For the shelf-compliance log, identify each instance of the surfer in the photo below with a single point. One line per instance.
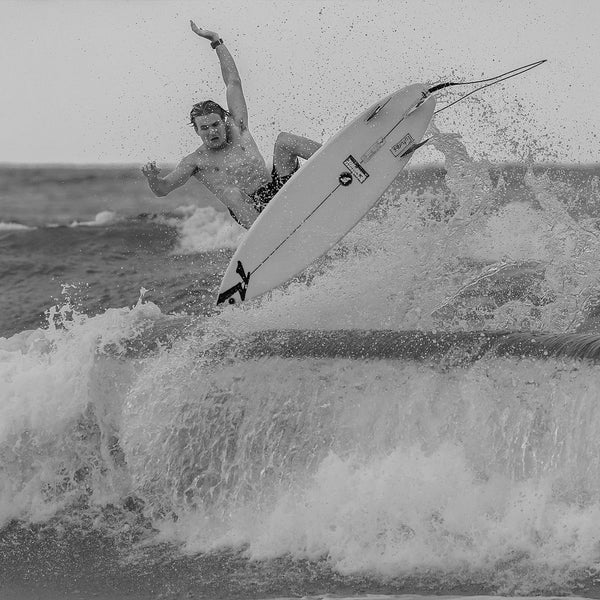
(229, 162)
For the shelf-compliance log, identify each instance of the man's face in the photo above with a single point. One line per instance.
(211, 129)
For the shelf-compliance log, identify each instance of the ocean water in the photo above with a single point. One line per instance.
(418, 413)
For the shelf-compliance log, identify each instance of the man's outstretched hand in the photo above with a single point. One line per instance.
(209, 35)
(150, 170)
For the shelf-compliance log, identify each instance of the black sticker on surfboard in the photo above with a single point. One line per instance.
(345, 178)
(240, 287)
(403, 145)
(354, 167)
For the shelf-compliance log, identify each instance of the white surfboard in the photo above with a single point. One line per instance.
(329, 194)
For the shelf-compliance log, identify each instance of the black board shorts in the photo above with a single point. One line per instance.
(264, 194)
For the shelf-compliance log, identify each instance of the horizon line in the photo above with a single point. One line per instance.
(137, 165)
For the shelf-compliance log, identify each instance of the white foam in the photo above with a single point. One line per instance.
(105, 217)
(383, 467)
(14, 227)
(380, 466)
(207, 229)
(59, 405)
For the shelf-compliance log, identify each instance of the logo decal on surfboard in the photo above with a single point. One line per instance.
(240, 287)
(345, 178)
(354, 167)
(399, 148)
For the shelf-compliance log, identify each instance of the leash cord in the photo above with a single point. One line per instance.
(493, 80)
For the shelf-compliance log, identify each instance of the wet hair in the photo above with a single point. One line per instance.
(207, 107)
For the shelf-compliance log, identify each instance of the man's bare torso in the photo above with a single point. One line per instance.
(239, 164)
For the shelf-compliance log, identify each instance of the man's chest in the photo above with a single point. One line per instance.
(236, 165)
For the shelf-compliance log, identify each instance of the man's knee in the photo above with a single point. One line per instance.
(285, 141)
(236, 201)
(286, 153)
(232, 198)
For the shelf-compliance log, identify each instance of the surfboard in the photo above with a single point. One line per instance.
(329, 194)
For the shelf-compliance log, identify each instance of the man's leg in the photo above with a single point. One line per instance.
(288, 147)
(234, 199)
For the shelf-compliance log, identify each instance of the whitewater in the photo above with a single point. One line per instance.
(353, 432)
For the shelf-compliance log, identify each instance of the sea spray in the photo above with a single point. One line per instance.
(381, 466)
(60, 409)
(207, 229)
(419, 250)
(443, 471)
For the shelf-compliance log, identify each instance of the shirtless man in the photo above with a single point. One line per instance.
(228, 162)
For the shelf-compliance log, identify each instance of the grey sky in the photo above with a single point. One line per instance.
(113, 80)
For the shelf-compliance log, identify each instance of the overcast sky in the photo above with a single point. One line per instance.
(113, 80)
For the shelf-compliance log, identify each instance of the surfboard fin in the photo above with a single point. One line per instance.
(408, 112)
(376, 111)
(414, 147)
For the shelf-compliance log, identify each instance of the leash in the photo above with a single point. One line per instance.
(492, 80)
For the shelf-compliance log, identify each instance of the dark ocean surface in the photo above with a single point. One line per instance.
(418, 413)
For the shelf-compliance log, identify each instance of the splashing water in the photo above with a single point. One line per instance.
(482, 473)
(206, 230)
(416, 251)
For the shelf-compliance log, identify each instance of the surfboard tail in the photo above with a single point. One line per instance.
(239, 288)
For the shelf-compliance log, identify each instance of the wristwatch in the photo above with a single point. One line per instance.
(216, 43)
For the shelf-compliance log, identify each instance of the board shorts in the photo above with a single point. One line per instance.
(264, 194)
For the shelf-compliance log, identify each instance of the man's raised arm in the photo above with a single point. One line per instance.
(236, 103)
